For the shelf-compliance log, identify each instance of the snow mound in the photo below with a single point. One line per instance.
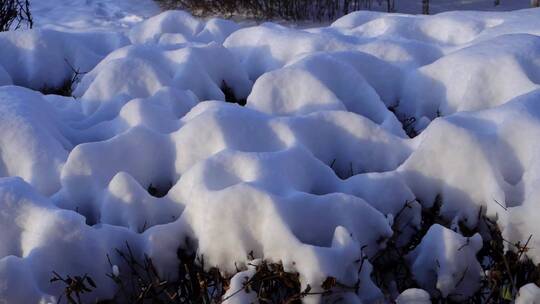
(470, 79)
(141, 71)
(446, 29)
(172, 27)
(34, 231)
(446, 262)
(160, 112)
(529, 293)
(478, 160)
(33, 141)
(126, 203)
(46, 59)
(274, 230)
(385, 77)
(223, 170)
(414, 296)
(38, 237)
(222, 127)
(318, 83)
(84, 177)
(270, 46)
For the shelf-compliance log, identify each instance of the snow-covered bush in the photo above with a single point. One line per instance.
(14, 14)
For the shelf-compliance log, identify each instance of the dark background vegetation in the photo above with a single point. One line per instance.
(270, 9)
(314, 10)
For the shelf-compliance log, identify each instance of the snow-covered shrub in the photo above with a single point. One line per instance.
(43, 58)
(15, 13)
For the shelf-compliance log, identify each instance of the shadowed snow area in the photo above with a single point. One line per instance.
(81, 15)
(437, 6)
(342, 126)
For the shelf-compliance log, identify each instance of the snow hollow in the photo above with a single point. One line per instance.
(149, 155)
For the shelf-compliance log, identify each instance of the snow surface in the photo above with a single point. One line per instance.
(82, 15)
(529, 294)
(438, 6)
(312, 172)
(446, 262)
(413, 296)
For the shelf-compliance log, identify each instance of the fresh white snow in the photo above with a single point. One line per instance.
(312, 172)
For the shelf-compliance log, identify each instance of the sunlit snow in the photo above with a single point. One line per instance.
(311, 172)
